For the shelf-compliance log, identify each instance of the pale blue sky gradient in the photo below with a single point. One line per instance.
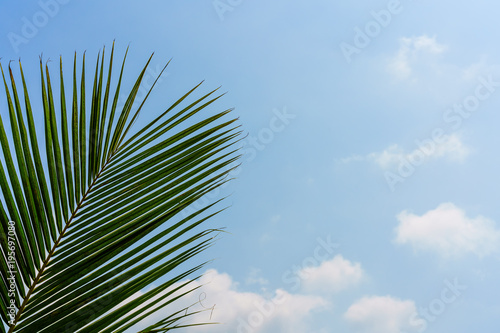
(322, 171)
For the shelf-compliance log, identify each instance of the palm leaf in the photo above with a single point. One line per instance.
(94, 216)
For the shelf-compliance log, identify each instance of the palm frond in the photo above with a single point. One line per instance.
(91, 213)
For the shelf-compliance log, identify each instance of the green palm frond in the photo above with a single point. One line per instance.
(91, 211)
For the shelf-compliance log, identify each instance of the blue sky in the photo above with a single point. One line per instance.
(368, 196)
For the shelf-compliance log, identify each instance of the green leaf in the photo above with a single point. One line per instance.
(98, 211)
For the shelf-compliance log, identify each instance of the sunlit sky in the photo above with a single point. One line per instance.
(367, 200)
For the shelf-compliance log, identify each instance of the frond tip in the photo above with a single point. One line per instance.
(90, 213)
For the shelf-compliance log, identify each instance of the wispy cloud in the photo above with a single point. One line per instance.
(451, 147)
(422, 62)
(255, 277)
(412, 51)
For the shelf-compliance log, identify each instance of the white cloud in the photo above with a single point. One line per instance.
(381, 314)
(448, 231)
(255, 277)
(276, 218)
(450, 147)
(331, 276)
(411, 51)
(240, 311)
(422, 65)
(265, 238)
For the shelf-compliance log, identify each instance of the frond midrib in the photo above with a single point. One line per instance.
(54, 247)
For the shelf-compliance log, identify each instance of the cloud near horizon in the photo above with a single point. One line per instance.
(265, 311)
(381, 314)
